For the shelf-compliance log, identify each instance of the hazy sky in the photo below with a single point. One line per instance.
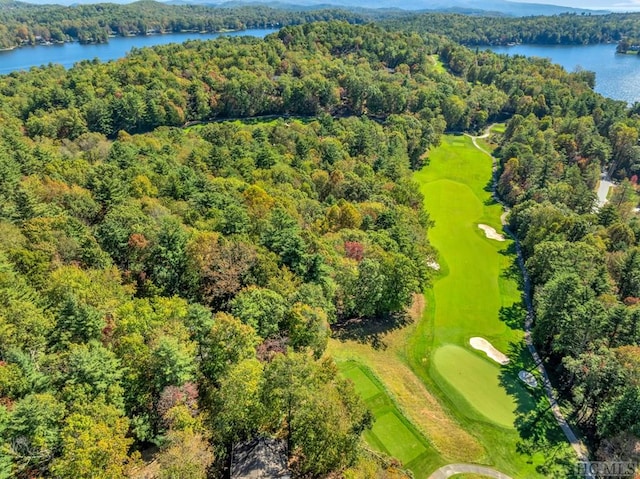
(604, 4)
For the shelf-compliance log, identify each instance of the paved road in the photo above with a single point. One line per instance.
(578, 446)
(603, 189)
(452, 469)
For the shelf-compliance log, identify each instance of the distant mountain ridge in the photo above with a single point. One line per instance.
(504, 7)
(485, 7)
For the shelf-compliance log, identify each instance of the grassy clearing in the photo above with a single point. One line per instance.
(499, 128)
(437, 63)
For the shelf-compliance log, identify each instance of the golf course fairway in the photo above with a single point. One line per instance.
(463, 404)
(470, 293)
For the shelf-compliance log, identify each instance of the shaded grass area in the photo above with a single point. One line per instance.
(499, 128)
(438, 64)
(391, 433)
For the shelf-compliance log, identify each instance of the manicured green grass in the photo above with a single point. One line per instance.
(468, 396)
(365, 386)
(391, 433)
(476, 294)
(477, 383)
(397, 438)
(472, 290)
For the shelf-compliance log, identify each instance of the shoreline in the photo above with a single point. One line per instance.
(111, 35)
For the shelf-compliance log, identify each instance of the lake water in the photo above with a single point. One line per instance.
(617, 76)
(69, 53)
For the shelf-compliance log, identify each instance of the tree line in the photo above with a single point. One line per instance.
(582, 261)
(28, 24)
(564, 29)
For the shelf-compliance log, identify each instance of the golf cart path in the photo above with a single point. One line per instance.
(452, 469)
(577, 445)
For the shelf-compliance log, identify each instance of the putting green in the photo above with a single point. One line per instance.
(477, 382)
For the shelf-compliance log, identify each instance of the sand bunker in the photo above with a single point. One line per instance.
(528, 378)
(491, 233)
(485, 346)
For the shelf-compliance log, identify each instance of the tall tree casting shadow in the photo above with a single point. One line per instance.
(370, 330)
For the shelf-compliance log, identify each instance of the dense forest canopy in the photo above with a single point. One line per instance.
(24, 23)
(175, 286)
(565, 29)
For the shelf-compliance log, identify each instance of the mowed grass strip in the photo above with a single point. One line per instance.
(391, 433)
(399, 441)
(365, 387)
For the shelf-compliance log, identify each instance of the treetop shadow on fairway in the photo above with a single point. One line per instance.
(524, 396)
(513, 271)
(513, 316)
(370, 331)
(489, 189)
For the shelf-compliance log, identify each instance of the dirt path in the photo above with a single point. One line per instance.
(578, 446)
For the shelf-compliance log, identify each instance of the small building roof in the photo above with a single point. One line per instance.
(260, 458)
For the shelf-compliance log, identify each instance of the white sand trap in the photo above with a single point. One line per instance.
(486, 347)
(528, 378)
(433, 264)
(491, 233)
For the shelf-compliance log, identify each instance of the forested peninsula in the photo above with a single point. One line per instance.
(27, 24)
(169, 288)
(565, 29)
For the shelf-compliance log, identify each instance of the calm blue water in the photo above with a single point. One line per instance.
(70, 53)
(617, 76)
